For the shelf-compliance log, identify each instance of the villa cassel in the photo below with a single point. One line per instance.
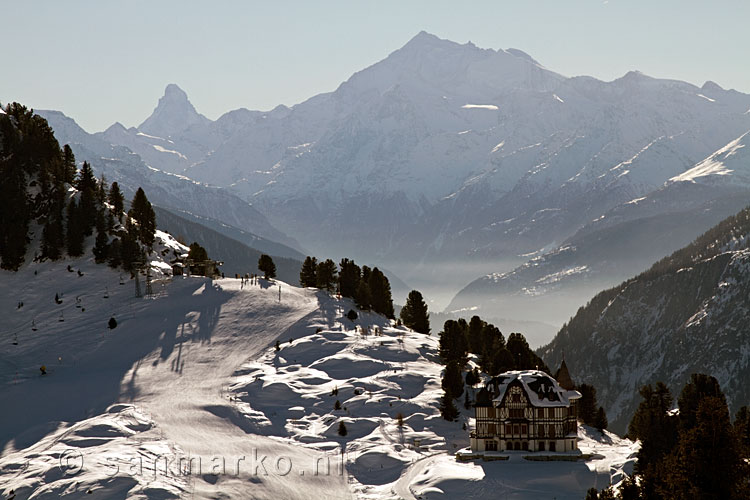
(527, 410)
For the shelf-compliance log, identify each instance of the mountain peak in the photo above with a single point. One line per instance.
(173, 91)
(173, 114)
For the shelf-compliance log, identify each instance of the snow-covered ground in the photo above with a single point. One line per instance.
(188, 398)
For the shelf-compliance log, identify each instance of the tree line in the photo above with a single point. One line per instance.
(693, 451)
(40, 185)
(495, 355)
(368, 287)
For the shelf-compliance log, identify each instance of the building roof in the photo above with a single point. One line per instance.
(563, 377)
(541, 389)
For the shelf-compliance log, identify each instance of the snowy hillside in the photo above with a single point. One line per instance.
(168, 403)
(687, 314)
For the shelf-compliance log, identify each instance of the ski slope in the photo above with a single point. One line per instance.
(188, 398)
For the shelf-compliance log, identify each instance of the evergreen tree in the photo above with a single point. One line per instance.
(653, 425)
(742, 429)
(453, 345)
(117, 200)
(69, 165)
(380, 289)
(699, 387)
(267, 266)
(525, 358)
(75, 231)
(452, 382)
(115, 253)
(600, 422)
(326, 275)
(197, 253)
(472, 378)
(349, 278)
(132, 256)
(414, 313)
(53, 233)
(448, 409)
(707, 462)
(101, 245)
(474, 335)
(501, 360)
(363, 296)
(143, 213)
(307, 275)
(342, 429)
(87, 188)
(587, 405)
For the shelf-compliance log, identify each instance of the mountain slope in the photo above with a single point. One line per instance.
(618, 244)
(119, 163)
(688, 313)
(444, 161)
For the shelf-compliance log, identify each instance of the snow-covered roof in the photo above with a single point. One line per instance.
(541, 389)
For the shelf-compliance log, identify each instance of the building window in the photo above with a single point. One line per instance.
(508, 429)
(524, 429)
(552, 446)
(541, 445)
(517, 446)
(516, 429)
(541, 430)
(525, 446)
(490, 445)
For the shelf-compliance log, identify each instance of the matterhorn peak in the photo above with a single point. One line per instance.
(173, 114)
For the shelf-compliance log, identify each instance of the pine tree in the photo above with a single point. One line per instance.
(307, 275)
(342, 429)
(86, 185)
(448, 409)
(363, 296)
(653, 425)
(452, 382)
(587, 405)
(197, 253)
(742, 429)
(349, 278)
(267, 266)
(453, 344)
(414, 313)
(75, 231)
(101, 245)
(600, 422)
(115, 253)
(69, 165)
(145, 218)
(474, 335)
(699, 387)
(707, 462)
(326, 275)
(380, 290)
(117, 200)
(337, 405)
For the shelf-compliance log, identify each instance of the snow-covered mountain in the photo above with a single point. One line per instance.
(119, 163)
(686, 314)
(445, 160)
(616, 245)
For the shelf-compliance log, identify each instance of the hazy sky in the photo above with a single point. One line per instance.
(101, 61)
